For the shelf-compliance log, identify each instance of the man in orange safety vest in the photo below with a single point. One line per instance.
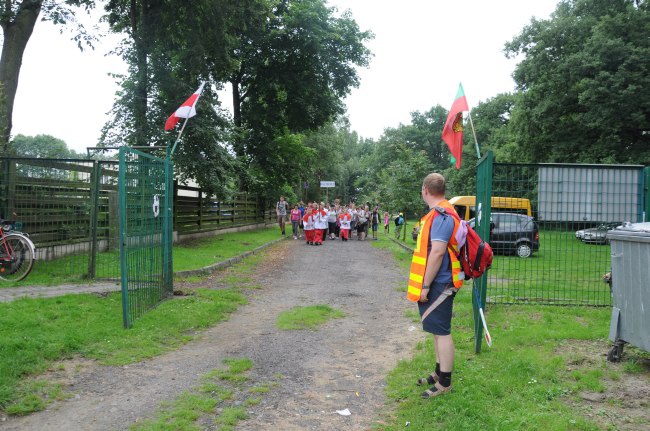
(435, 278)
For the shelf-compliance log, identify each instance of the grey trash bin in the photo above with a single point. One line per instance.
(630, 287)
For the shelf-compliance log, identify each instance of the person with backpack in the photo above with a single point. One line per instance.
(399, 222)
(435, 278)
(281, 212)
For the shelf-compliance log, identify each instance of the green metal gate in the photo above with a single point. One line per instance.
(482, 227)
(146, 199)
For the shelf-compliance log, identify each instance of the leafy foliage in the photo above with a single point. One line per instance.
(41, 146)
(584, 83)
(17, 19)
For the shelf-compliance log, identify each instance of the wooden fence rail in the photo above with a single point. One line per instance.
(71, 207)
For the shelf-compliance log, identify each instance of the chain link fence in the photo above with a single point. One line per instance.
(563, 254)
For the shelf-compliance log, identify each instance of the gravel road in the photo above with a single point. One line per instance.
(341, 365)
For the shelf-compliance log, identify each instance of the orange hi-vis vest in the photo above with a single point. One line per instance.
(421, 253)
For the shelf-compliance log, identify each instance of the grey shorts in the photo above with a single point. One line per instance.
(438, 321)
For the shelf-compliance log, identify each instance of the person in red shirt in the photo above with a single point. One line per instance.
(320, 224)
(345, 220)
(308, 224)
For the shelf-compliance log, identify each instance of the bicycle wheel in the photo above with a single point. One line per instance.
(19, 264)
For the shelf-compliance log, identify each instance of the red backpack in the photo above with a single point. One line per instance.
(475, 255)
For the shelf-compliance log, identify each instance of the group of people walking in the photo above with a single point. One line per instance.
(435, 275)
(317, 222)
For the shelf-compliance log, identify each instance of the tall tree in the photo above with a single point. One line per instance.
(170, 46)
(17, 19)
(585, 83)
(41, 146)
(292, 72)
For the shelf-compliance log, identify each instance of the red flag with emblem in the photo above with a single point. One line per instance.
(452, 133)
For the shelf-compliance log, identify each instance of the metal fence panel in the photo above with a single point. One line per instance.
(573, 207)
(146, 205)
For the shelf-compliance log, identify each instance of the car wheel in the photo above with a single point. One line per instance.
(524, 250)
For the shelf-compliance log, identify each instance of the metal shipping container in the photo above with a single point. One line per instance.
(590, 193)
(630, 287)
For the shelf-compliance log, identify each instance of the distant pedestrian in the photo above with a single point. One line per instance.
(301, 207)
(345, 220)
(362, 224)
(386, 223)
(332, 220)
(374, 219)
(281, 212)
(308, 224)
(320, 224)
(295, 221)
(399, 222)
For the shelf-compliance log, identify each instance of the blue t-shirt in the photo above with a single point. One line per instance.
(441, 230)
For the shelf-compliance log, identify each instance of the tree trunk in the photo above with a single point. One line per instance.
(236, 103)
(16, 35)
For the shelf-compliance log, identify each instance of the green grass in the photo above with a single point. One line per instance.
(521, 383)
(203, 252)
(563, 271)
(194, 254)
(37, 332)
(183, 413)
(517, 384)
(310, 317)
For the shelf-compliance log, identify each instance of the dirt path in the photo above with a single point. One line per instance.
(342, 365)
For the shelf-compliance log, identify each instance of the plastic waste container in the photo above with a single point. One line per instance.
(630, 245)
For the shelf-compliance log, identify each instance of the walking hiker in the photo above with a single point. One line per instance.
(362, 224)
(399, 222)
(308, 224)
(435, 278)
(332, 220)
(386, 223)
(281, 212)
(301, 207)
(374, 218)
(320, 224)
(295, 221)
(345, 220)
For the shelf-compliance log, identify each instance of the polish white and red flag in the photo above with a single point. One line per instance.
(186, 110)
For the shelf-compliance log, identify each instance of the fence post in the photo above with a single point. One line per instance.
(4, 191)
(646, 186)
(484, 173)
(95, 182)
(174, 206)
(200, 208)
(10, 175)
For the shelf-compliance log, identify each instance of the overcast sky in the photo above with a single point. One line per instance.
(422, 50)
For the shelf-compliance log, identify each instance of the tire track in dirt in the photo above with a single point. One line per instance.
(341, 365)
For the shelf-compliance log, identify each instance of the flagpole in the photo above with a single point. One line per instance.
(179, 137)
(187, 118)
(478, 152)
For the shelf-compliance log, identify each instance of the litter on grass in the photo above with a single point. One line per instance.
(345, 412)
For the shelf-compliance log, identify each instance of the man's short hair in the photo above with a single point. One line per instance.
(434, 183)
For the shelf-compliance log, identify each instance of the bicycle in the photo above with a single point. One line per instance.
(17, 252)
